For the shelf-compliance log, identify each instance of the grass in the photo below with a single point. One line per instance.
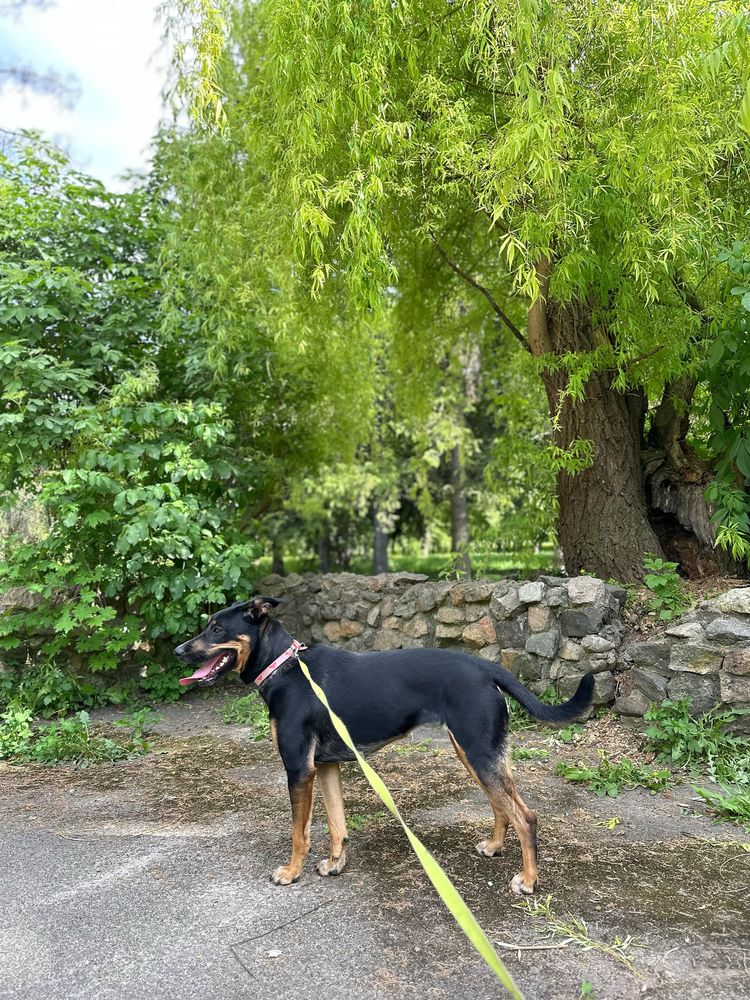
(247, 710)
(529, 753)
(435, 565)
(610, 778)
(412, 746)
(731, 804)
(570, 930)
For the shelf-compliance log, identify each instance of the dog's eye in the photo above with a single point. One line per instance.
(215, 629)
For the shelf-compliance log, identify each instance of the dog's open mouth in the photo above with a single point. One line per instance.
(212, 669)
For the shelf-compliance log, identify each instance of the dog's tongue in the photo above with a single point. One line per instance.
(203, 670)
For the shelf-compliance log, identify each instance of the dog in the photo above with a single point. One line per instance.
(381, 697)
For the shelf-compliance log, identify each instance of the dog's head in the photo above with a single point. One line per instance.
(227, 641)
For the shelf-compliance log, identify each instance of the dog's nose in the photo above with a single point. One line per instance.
(180, 651)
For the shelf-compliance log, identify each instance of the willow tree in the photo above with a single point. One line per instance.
(584, 159)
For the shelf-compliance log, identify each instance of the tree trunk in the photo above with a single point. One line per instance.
(380, 537)
(604, 527)
(277, 557)
(459, 514)
(324, 550)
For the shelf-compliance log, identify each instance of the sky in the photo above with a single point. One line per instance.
(112, 48)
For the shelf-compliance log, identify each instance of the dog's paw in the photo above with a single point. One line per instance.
(484, 848)
(285, 875)
(519, 888)
(330, 867)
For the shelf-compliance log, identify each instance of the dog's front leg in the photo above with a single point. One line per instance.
(301, 796)
(329, 776)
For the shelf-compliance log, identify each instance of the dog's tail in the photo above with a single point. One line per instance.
(555, 714)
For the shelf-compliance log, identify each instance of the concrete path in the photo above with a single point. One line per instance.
(148, 880)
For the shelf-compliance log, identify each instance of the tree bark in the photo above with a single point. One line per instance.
(380, 538)
(324, 550)
(459, 514)
(603, 525)
(277, 557)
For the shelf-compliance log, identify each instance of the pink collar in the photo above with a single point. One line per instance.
(286, 655)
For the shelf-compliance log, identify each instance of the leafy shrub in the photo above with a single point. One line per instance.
(111, 426)
(609, 778)
(701, 746)
(48, 690)
(70, 740)
(669, 599)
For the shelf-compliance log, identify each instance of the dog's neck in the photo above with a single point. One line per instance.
(273, 640)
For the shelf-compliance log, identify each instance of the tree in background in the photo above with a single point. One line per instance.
(585, 162)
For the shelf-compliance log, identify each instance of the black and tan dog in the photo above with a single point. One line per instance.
(380, 697)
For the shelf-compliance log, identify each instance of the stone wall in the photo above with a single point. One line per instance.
(549, 631)
(705, 656)
(552, 630)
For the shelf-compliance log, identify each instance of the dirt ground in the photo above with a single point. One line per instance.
(149, 878)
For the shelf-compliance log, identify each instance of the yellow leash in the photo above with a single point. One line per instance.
(446, 890)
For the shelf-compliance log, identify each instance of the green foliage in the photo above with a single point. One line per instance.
(700, 745)
(609, 778)
(47, 690)
(727, 376)
(731, 804)
(71, 740)
(111, 425)
(248, 710)
(669, 599)
(529, 753)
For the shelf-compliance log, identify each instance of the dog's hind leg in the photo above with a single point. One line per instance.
(508, 807)
(329, 776)
(494, 844)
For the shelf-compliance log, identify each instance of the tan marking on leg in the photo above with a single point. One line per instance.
(301, 797)
(329, 776)
(274, 735)
(490, 847)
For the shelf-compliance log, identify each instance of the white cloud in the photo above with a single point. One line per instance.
(113, 49)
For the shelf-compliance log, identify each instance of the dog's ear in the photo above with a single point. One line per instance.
(259, 607)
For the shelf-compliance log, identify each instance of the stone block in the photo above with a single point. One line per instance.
(570, 650)
(701, 689)
(417, 627)
(503, 605)
(450, 615)
(511, 633)
(737, 661)
(448, 631)
(651, 683)
(734, 688)
(556, 597)
(531, 593)
(539, 617)
(425, 597)
(596, 644)
(526, 667)
(728, 631)
(491, 653)
(386, 639)
(650, 654)
(635, 703)
(604, 689)
(564, 668)
(543, 643)
(480, 633)
(599, 662)
(734, 602)
(575, 623)
(686, 630)
(472, 591)
(585, 590)
(618, 594)
(373, 615)
(695, 658)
